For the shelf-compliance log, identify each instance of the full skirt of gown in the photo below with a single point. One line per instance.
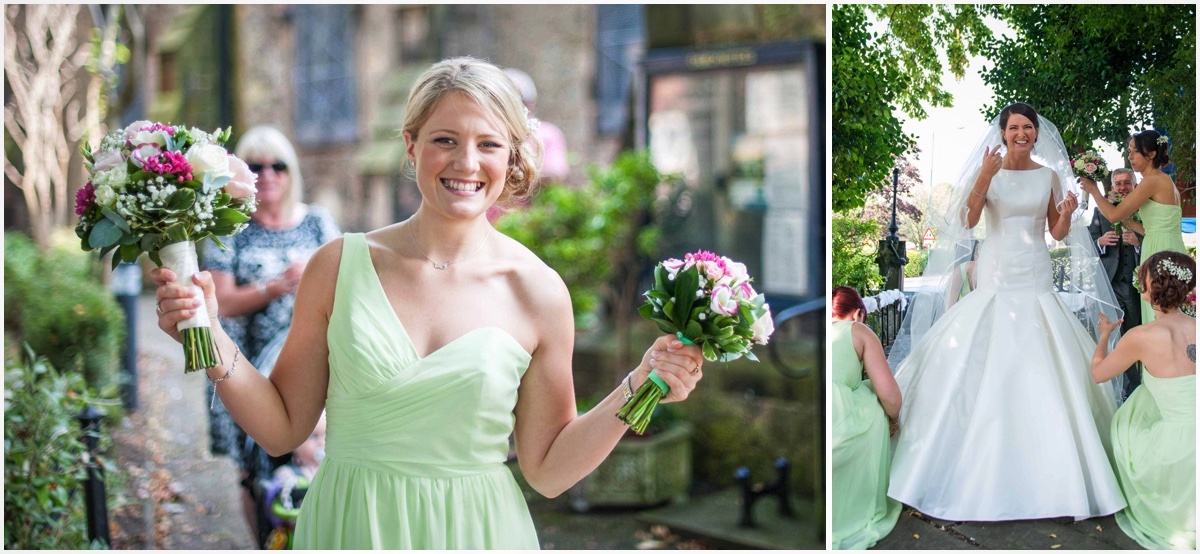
(1001, 419)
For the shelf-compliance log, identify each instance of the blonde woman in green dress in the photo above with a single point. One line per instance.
(1156, 200)
(1154, 432)
(428, 342)
(862, 421)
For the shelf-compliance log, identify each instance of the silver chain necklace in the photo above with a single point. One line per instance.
(444, 265)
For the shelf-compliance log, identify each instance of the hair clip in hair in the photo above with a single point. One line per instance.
(1182, 273)
(531, 123)
(1163, 139)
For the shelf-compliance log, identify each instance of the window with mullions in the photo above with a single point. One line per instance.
(620, 39)
(325, 89)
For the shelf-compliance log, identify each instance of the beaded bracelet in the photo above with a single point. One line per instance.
(237, 352)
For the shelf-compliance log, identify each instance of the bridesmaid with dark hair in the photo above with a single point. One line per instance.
(863, 419)
(1156, 200)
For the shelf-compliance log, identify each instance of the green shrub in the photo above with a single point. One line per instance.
(854, 244)
(21, 263)
(561, 226)
(56, 306)
(917, 260)
(43, 457)
(78, 324)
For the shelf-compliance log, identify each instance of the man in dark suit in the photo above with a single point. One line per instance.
(1119, 252)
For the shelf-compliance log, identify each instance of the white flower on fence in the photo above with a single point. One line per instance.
(885, 298)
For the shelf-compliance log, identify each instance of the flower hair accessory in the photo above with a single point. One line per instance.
(531, 123)
(1182, 273)
(1163, 139)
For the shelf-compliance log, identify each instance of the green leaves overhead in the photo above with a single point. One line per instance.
(1098, 70)
(877, 74)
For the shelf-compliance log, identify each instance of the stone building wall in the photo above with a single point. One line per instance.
(560, 56)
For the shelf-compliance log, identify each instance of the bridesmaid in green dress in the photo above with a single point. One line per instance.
(428, 342)
(862, 421)
(1156, 200)
(1154, 432)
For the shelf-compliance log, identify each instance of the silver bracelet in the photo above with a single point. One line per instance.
(237, 352)
(627, 388)
(977, 193)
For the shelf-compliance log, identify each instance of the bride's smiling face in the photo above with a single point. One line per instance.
(1019, 133)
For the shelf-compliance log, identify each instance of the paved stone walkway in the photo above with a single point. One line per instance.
(181, 497)
(916, 531)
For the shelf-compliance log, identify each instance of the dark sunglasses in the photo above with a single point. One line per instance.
(277, 167)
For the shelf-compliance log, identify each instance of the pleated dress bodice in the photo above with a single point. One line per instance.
(415, 446)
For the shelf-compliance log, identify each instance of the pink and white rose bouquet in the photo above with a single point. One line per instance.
(1089, 164)
(159, 189)
(706, 300)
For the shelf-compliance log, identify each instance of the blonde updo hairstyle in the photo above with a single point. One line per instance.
(489, 87)
(265, 143)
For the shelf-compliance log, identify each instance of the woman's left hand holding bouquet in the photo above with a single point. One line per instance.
(680, 365)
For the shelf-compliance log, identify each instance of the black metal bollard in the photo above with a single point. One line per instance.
(751, 493)
(94, 497)
(126, 284)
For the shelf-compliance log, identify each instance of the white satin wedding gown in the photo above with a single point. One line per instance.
(1001, 419)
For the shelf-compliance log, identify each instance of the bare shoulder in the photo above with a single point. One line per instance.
(320, 276)
(325, 260)
(536, 284)
(862, 330)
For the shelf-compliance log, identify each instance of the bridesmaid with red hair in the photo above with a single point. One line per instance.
(865, 414)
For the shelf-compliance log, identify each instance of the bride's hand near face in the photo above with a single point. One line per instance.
(992, 162)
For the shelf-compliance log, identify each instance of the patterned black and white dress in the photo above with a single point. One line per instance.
(259, 254)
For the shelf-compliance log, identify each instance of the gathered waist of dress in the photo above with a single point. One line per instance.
(418, 469)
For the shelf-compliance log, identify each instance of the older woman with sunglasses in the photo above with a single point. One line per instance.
(256, 280)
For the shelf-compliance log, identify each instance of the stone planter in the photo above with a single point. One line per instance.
(641, 471)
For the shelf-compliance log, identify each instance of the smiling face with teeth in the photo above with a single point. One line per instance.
(461, 155)
(1019, 133)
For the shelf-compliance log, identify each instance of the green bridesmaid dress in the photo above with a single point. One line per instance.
(1154, 448)
(1164, 231)
(862, 511)
(415, 446)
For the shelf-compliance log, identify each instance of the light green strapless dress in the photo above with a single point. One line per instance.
(1164, 231)
(416, 446)
(862, 511)
(1154, 447)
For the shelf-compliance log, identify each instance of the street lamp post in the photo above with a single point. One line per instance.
(890, 255)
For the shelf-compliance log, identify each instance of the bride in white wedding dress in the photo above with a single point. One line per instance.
(1001, 419)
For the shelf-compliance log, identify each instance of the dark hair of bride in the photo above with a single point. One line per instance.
(845, 301)
(1147, 142)
(1167, 289)
(1020, 108)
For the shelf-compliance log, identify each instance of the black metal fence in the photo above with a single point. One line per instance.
(886, 320)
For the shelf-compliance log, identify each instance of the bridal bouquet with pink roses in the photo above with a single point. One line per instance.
(1089, 164)
(159, 189)
(706, 300)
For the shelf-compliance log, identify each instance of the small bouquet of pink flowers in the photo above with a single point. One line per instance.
(1116, 198)
(159, 189)
(1090, 165)
(706, 300)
